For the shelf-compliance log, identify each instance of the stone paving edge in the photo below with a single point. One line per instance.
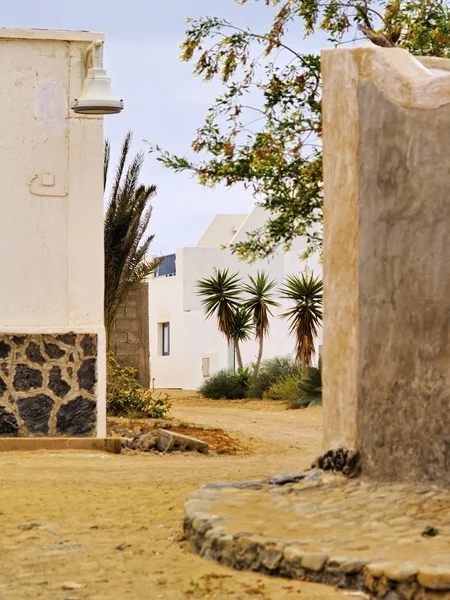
(208, 537)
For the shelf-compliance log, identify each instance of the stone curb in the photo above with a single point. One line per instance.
(207, 534)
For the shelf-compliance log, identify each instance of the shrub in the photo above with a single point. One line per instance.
(271, 371)
(125, 397)
(223, 384)
(244, 377)
(286, 388)
(311, 387)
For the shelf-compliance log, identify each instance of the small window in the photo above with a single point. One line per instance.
(165, 330)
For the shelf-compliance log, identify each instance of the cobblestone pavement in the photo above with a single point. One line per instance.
(392, 541)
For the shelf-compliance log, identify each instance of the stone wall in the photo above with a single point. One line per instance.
(130, 340)
(48, 385)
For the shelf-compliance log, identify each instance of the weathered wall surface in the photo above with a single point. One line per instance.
(404, 279)
(51, 231)
(130, 339)
(387, 248)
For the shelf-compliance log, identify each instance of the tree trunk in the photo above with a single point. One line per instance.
(238, 354)
(260, 353)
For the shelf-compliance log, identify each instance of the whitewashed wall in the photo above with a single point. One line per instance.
(51, 227)
(174, 299)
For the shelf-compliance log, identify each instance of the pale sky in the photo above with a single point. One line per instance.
(164, 101)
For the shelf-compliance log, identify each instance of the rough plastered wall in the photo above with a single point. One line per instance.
(387, 283)
(130, 339)
(51, 239)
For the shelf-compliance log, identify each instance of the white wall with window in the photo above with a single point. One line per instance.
(183, 344)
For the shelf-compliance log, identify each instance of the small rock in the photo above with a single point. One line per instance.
(28, 526)
(167, 441)
(284, 478)
(294, 554)
(400, 572)
(145, 442)
(377, 569)
(123, 546)
(314, 562)
(435, 578)
(72, 585)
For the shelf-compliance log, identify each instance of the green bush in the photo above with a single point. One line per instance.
(244, 377)
(271, 371)
(311, 387)
(125, 397)
(286, 389)
(223, 384)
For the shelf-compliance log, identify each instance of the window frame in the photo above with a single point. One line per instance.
(165, 351)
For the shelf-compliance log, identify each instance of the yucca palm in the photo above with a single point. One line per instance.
(221, 296)
(311, 387)
(127, 216)
(242, 330)
(259, 302)
(305, 315)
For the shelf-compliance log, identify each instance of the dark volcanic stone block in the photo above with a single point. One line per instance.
(57, 384)
(5, 349)
(89, 345)
(8, 423)
(34, 354)
(53, 350)
(67, 338)
(87, 376)
(3, 386)
(77, 417)
(35, 412)
(26, 378)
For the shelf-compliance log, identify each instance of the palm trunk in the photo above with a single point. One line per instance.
(238, 354)
(260, 354)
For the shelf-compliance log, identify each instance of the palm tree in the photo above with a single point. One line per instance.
(259, 301)
(127, 216)
(305, 316)
(242, 330)
(221, 296)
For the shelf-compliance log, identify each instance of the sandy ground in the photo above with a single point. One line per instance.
(64, 515)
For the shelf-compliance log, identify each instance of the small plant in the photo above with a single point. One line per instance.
(430, 531)
(244, 377)
(125, 397)
(223, 384)
(285, 389)
(271, 371)
(311, 387)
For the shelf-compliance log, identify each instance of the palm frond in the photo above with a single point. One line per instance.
(221, 296)
(260, 301)
(305, 315)
(127, 216)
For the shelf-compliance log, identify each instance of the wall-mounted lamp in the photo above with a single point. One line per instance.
(96, 96)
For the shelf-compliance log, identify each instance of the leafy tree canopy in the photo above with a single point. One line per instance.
(264, 129)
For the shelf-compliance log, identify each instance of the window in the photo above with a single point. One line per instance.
(165, 331)
(167, 267)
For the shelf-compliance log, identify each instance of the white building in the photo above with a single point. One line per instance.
(184, 346)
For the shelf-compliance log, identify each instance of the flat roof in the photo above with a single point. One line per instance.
(50, 34)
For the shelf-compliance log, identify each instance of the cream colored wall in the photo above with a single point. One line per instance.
(220, 231)
(51, 236)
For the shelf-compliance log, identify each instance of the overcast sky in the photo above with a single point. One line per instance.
(164, 102)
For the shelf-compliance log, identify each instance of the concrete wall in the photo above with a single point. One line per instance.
(387, 285)
(174, 300)
(51, 233)
(130, 339)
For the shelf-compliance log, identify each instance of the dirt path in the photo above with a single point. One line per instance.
(63, 515)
